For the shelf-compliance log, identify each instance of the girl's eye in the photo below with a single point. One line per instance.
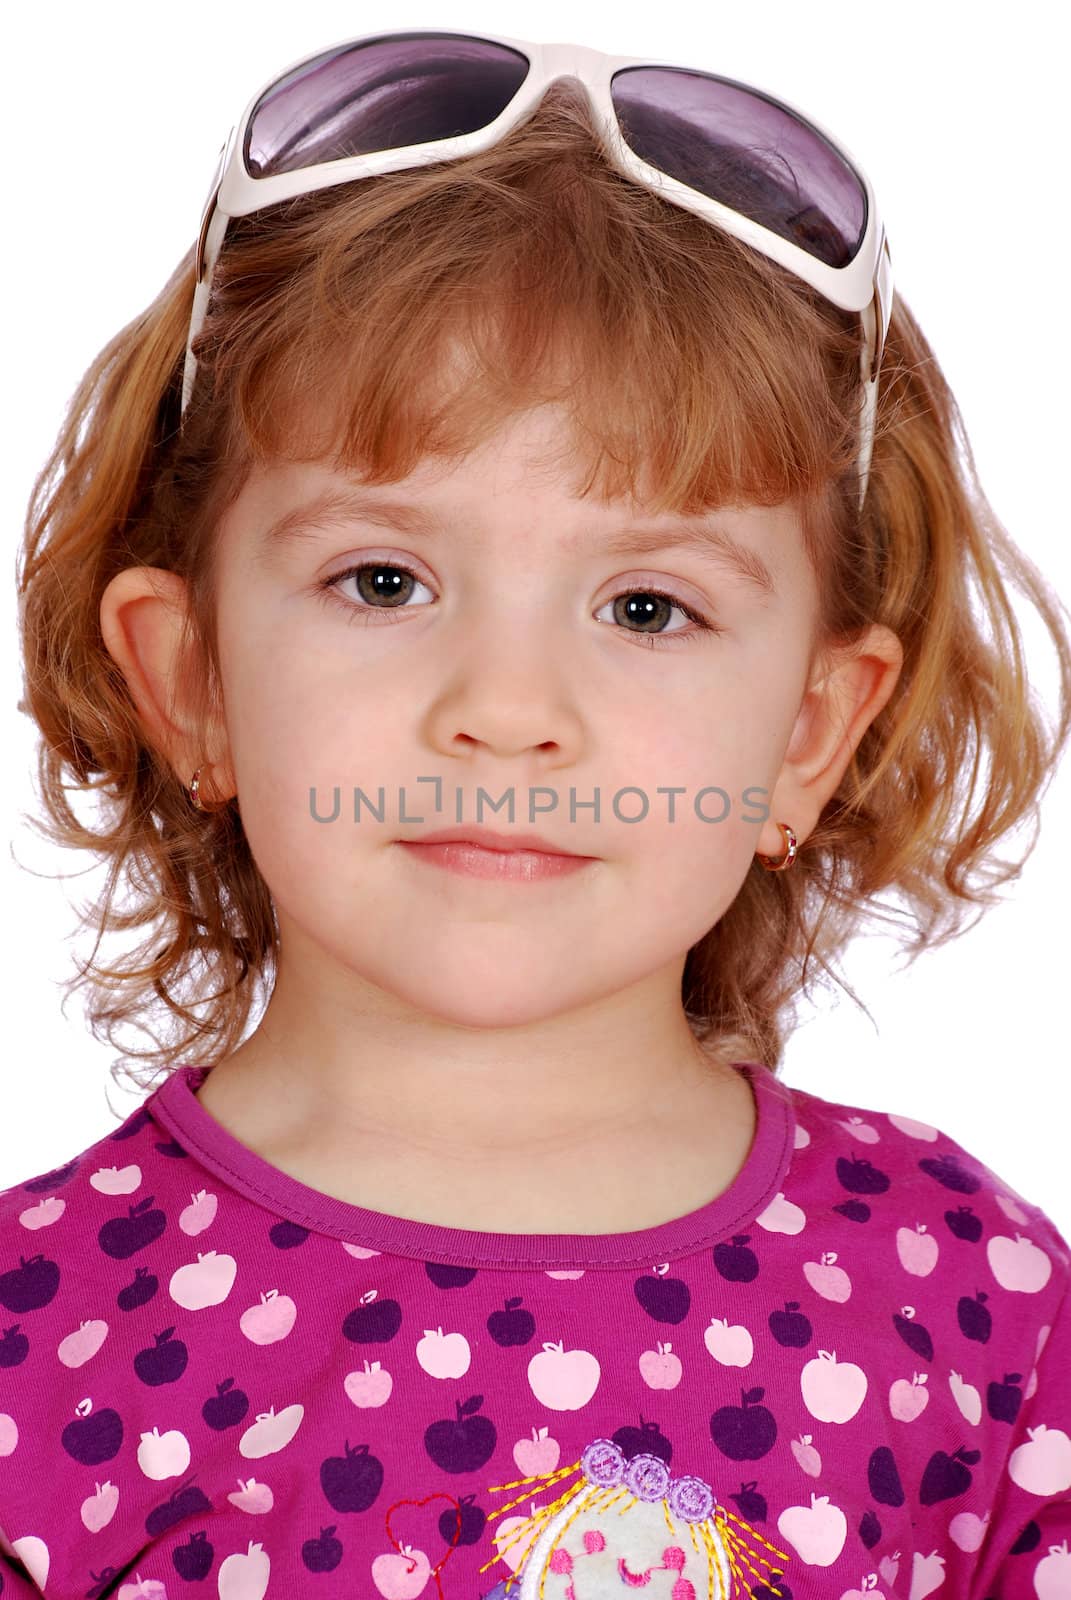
(386, 585)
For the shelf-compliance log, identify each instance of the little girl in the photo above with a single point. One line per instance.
(496, 1259)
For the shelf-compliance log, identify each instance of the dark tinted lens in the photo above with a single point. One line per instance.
(749, 152)
(401, 90)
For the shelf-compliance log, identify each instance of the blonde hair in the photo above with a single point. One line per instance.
(432, 305)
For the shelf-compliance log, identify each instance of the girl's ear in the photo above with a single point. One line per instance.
(143, 614)
(834, 715)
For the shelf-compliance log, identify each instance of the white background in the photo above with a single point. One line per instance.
(113, 116)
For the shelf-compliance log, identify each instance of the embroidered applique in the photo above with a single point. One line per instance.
(619, 1526)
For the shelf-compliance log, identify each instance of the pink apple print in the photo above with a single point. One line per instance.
(372, 1387)
(732, 1347)
(538, 1454)
(200, 1213)
(116, 1180)
(1018, 1263)
(661, 1369)
(913, 1129)
(917, 1250)
(889, 1569)
(831, 1282)
(567, 1273)
(782, 1216)
(1042, 1465)
(204, 1282)
(9, 1433)
(443, 1355)
(1012, 1210)
(832, 1391)
(908, 1400)
(270, 1320)
(1052, 1575)
(163, 1455)
(802, 1138)
(927, 1574)
(244, 1575)
(967, 1531)
(807, 1457)
(142, 1589)
(44, 1213)
(33, 1553)
(269, 1432)
(563, 1382)
(515, 1536)
(360, 1252)
(817, 1532)
(402, 1575)
(98, 1509)
(966, 1397)
(867, 1590)
(76, 1349)
(253, 1497)
(864, 1131)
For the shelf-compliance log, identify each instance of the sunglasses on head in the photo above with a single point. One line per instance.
(748, 163)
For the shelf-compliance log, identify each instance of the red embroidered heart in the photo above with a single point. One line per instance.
(422, 1541)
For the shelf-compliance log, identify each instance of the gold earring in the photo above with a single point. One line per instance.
(779, 863)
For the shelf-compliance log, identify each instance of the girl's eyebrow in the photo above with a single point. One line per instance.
(335, 507)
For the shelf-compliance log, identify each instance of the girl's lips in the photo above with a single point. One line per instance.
(510, 866)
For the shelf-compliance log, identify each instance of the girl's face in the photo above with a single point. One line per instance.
(513, 662)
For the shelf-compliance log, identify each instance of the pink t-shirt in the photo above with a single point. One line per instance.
(848, 1376)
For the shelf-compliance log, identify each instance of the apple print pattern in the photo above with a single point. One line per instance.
(848, 1377)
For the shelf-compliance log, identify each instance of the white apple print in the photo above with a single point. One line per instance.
(204, 1282)
(443, 1355)
(1043, 1464)
(563, 1382)
(244, 1576)
(9, 1433)
(1052, 1575)
(733, 1347)
(967, 1531)
(816, 1531)
(917, 1249)
(1018, 1263)
(832, 1391)
(44, 1213)
(966, 1397)
(927, 1574)
(98, 1509)
(782, 1216)
(33, 1553)
(163, 1455)
(864, 1131)
(254, 1497)
(913, 1129)
(269, 1432)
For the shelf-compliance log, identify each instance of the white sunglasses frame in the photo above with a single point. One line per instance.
(864, 285)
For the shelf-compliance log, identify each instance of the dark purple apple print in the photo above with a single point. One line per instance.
(185, 1501)
(870, 1529)
(351, 1482)
(974, 1320)
(445, 1275)
(648, 1439)
(172, 1149)
(463, 1443)
(287, 1235)
(30, 1285)
(883, 1478)
(949, 1170)
(226, 1407)
(947, 1476)
(94, 1436)
(860, 1176)
(964, 1224)
(776, 1589)
(854, 1210)
(138, 1293)
(1004, 1399)
(54, 1179)
(749, 1502)
(134, 1123)
(744, 1432)
(791, 1327)
(162, 1362)
(464, 1525)
(914, 1335)
(193, 1560)
(125, 1236)
(513, 1326)
(103, 1582)
(323, 1553)
(374, 1321)
(14, 1347)
(735, 1261)
(1028, 1540)
(664, 1299)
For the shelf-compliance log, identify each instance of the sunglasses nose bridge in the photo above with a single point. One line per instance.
(578, 64)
